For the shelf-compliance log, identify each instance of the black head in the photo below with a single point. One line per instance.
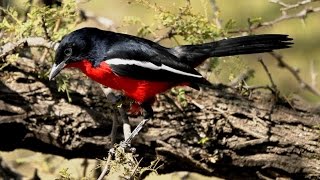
(76, 46)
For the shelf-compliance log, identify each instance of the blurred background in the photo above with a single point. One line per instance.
(304, 55)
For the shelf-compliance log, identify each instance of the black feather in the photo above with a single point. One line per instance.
(193, 55)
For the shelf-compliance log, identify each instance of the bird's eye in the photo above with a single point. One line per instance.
(68, 51)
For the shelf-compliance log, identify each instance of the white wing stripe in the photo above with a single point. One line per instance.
(149, 65)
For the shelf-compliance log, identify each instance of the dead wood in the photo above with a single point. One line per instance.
(219, 133)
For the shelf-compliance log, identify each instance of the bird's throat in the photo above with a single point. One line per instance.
(102, 73)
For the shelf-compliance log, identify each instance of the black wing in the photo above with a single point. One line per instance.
(142, 59)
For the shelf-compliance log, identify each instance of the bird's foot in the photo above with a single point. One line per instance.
(127, 147)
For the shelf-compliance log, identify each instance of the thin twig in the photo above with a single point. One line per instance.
(106, 168)
(173, 102)
(216, 12)
(242, 77)
(30, 42)
(273, 85)
(313, 74)
(295, 73)
(168, 35)
(55, 29)
(285, 16)
(286, 6)
(262, 177)
(279, 2)
(171, 33)
(45, 29)
(25, 18)
(195, 103)
(135, 170)
(302, 14)
(252, 88)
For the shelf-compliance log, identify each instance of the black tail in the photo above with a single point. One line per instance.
(193, 55)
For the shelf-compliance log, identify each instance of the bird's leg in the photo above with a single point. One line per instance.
(147, 116)
(125, 121)
(148, 111)
(115, 100)
(114, 128)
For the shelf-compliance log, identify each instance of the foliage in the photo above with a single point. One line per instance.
(52, 22)
(43, 21)
(63, 84)
(193, 27)
(180, 93)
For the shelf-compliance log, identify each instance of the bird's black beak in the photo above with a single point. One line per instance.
(56, 68)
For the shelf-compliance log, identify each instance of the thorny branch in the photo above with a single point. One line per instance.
(286, 6)
(314, 74)
(216, 12)
(302, 14)
(8, 48)
(241, 77)
(106, 169)
(295, 73)
(273, 85)
(171, 32)
(285, 15)
(44, 27)
(167, 35)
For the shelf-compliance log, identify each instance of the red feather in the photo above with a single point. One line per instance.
(139, 90)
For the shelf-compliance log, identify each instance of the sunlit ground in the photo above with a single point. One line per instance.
(48, 166)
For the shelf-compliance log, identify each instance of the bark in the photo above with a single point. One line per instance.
(220, 132)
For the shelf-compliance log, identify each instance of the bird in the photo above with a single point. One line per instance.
(141, 68)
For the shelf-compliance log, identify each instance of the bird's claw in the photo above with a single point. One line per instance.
(127, 147)
(127, 143)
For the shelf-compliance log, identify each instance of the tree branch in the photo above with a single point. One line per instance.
(27, 42)
(285, 16)
(300, 15)
(295, 73)
(286, 7)
(273, 85)
(225, 134)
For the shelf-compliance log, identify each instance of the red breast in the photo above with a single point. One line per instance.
(139, 90)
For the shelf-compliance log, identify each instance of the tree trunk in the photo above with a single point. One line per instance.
(219, 132)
